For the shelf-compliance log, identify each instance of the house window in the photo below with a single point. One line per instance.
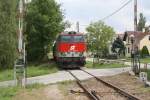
(128, 50)
(128, 40)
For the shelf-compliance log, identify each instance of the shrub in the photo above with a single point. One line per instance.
(144, 52)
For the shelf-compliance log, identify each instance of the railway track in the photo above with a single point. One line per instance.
(93, 95)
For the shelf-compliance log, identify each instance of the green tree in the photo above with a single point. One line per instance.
(100, 36)
(141, 23)
(7, 32)
(118, 44)
(44, 20)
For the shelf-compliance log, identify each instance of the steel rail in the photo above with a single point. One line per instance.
(90, 94)
(121, 91)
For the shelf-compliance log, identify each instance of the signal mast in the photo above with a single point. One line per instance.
(19, 68)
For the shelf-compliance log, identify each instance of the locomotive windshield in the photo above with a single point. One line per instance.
(66, 39)
(78, 38)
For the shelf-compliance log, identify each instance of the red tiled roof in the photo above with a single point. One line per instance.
(120, 35)
(137, 34)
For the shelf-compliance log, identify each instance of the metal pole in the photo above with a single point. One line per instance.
(78, 27)
(135, 15)
(20, 28)
(19, 68)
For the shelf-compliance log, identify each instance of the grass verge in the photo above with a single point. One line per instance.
(142, 60)
(103, 66)
(32, 71)
(8, 93)
(145, 60)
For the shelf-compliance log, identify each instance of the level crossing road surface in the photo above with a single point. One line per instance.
(61, 76)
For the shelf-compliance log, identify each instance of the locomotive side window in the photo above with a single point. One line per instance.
(78, 38)
(65, 38)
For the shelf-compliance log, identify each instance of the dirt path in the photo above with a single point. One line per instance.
(47, 93)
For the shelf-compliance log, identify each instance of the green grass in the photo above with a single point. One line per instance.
(103, 66)
(8, 93)
(142, 60)
(6, 75)
(32, 70)
(145, 60)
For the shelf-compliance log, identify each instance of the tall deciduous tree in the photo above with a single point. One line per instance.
(141, 23)
(7, 32)
(100, 35)
(44, 20)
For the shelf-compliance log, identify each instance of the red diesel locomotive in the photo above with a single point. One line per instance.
(69, 49)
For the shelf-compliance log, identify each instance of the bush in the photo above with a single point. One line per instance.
(144, 52)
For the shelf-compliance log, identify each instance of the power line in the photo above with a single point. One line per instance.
(116, 10)
(124, 5)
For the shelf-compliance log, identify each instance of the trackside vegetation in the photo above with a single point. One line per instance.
(44, 20)
(7, 93)
(8, 36)
(32, 71)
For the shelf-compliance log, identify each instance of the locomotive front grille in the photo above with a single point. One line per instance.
(72, 54)
(71, 59)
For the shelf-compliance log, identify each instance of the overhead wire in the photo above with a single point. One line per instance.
(116, 11)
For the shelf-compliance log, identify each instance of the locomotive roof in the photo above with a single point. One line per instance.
(71, 33)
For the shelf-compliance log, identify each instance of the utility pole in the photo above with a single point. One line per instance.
(135, 52)
(78, 27)
(135, 15)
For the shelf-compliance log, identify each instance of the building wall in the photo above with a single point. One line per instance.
(145, 42)
(128, 47)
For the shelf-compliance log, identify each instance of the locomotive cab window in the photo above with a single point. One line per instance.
(65, 38)
(78, 39)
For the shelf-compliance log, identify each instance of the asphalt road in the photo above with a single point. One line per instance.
(65, 76)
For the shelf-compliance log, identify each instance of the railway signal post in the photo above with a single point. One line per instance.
(19, 66)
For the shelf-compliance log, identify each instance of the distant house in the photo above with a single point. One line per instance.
(120, 35)
(140, 39)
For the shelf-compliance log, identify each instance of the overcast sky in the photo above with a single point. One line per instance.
(86, 11)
